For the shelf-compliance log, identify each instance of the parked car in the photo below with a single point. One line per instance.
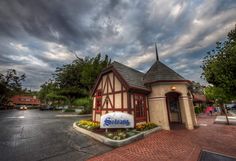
(231, 106)
(46, 107)
(23, 107)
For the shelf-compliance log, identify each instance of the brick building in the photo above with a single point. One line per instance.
(29, 101)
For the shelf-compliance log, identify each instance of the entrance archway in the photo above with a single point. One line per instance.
(173, 108)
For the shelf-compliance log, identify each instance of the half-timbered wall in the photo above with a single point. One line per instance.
(113, 96)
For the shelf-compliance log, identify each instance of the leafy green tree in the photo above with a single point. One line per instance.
(219, 68)
(46, 89)
(220, 96)
(219, 65)
(10, 84)
(75, 80)
(196, 87)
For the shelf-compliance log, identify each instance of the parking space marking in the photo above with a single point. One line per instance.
(16, 117)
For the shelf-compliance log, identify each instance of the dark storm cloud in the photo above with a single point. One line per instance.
(38, 36)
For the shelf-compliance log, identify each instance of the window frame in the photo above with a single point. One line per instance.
(140, 107)
(98, 101)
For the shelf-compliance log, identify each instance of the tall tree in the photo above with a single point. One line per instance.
(10, 84)
(220, 96)
(219, 68)
(77, 79)
(219, 65)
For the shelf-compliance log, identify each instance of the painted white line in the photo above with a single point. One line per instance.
(67, 115)
(202, 124)
(18, 117)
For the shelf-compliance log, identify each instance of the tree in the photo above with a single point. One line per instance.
(219, 65)
(220, 96)
(219, 68)
(75, 80)
(196, 87)
(10, 84)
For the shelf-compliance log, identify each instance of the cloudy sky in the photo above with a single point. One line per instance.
(38, 36)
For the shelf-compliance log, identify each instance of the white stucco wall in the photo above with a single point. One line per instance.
(158, 108)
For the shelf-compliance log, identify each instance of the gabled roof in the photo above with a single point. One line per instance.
(131, 76)
(160, 72)
(134, 79)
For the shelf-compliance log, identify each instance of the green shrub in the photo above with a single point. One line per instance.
(202, 108)
(117, 135)
(197, 110)
(86, 103)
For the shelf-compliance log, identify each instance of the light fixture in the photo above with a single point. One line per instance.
(173, 88)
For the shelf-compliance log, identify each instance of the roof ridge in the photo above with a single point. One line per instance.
(172, 70)
(160, 71)
(128, 67)
(150, 68)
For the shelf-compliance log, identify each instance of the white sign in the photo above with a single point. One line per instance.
(117, 120)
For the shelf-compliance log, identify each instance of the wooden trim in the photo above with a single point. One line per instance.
(139, 89)
(120, 78)
(92, 110)
(109, 80)
(109, 100)
(122, 98)
(148, 110)
(168, 109)
(145, 107)
(116, 109)
(141, 119)
(186, 81)
(104, 85)
(95, 116)
(113, 90)
(156, 97)
(134, 110)
(128, 102)
(116, 92)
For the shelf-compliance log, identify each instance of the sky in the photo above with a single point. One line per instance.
(38, 36)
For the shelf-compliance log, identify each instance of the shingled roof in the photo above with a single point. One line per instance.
(158, 72)
(161, 72)
(133, 77)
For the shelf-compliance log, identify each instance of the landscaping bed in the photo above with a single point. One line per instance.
(114, 137)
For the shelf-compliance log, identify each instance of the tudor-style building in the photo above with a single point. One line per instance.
(160, 96)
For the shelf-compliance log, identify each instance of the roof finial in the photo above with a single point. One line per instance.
(156, 52)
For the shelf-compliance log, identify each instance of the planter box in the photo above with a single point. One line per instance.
(115, 143)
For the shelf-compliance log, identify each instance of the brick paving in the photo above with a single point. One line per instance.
(178, 144)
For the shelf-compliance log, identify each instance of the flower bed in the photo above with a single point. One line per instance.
(145, 126)
(89, 125)
(114, 134)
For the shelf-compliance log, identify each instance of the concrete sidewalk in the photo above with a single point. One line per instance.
(222, 120)
(180, 144)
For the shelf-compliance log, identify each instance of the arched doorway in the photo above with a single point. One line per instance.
(173, 108)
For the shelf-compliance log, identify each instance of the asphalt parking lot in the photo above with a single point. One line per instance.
(34, 135)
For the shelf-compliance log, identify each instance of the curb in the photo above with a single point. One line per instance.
(86, 115)
(115, 143)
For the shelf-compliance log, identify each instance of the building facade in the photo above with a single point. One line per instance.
(160, 96)
(18, 101)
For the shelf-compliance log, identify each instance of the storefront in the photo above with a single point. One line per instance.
(160, 96)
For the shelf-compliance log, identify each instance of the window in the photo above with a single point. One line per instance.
(98, 104)
(140, 107)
